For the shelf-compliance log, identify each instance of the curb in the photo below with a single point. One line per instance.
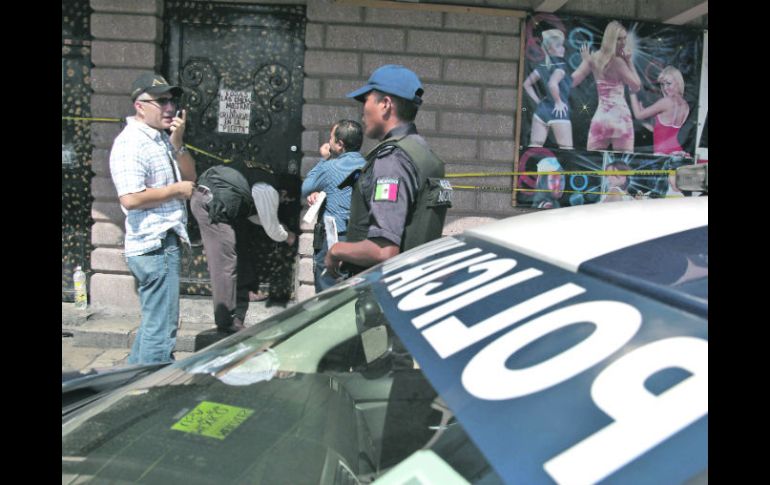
(107, 328)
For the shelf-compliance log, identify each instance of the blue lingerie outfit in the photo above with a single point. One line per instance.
(545, 108)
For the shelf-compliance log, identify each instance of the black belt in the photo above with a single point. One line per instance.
(351, 269)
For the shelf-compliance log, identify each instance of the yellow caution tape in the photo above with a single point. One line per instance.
(452, 175)
(190, 147)
(203, 152)
(78, 118)
(637, 173)
(574, 172)
(491, 188)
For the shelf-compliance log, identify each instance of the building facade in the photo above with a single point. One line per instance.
(466, 52)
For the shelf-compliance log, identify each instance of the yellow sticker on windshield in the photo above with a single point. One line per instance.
(213, 419)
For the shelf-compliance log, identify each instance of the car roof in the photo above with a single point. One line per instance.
(570, 236)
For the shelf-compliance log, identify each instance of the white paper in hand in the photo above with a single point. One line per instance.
(311, 213)
(331, 231)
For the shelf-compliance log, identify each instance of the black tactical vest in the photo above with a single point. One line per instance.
(231, 185)
(425, 219)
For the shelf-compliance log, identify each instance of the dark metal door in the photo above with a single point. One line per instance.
(241, 67)
(76, 171)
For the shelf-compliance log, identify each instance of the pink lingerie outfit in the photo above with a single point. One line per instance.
(612, 120)
(664, 137)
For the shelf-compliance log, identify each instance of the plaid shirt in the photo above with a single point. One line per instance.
(142, 158)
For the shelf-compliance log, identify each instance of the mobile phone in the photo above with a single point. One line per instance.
(176, 115)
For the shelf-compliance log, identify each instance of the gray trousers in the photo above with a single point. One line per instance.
(231, 266)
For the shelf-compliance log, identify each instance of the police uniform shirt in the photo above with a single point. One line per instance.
(392, 187)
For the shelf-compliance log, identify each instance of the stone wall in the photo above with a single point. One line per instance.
(126, 43)
(468, 64)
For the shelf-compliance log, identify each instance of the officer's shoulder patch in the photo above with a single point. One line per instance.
(386, 189)
(385, 151)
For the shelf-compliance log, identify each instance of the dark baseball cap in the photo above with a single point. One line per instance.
(392, 79)
(153, 84)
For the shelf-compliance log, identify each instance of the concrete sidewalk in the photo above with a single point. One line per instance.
(100, 338)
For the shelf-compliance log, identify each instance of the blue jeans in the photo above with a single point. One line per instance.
(325, 281)
(157, 273)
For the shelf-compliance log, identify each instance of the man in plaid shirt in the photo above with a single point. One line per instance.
(154, 174)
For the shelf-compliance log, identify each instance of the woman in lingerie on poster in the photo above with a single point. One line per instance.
(612, 69)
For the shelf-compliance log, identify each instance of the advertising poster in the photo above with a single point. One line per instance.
(563, 178)
(594, 84)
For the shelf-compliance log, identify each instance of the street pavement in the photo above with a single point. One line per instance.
(101, 338)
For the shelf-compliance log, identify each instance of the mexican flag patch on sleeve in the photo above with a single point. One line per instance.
(386, 189)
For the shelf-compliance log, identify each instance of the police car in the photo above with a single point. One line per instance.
(564, 346)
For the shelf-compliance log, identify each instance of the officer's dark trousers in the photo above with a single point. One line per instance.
(230, 264)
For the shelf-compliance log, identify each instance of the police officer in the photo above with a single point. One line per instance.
(400, 197)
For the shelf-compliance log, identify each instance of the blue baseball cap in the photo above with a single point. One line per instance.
(392, 79)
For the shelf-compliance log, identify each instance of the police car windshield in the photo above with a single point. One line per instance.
(324, 387)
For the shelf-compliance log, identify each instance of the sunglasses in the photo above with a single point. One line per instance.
(161, 101)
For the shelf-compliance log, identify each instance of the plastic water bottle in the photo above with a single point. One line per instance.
(81, 293)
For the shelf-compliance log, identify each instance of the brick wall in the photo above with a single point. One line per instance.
(126, 43)
(468, 64)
